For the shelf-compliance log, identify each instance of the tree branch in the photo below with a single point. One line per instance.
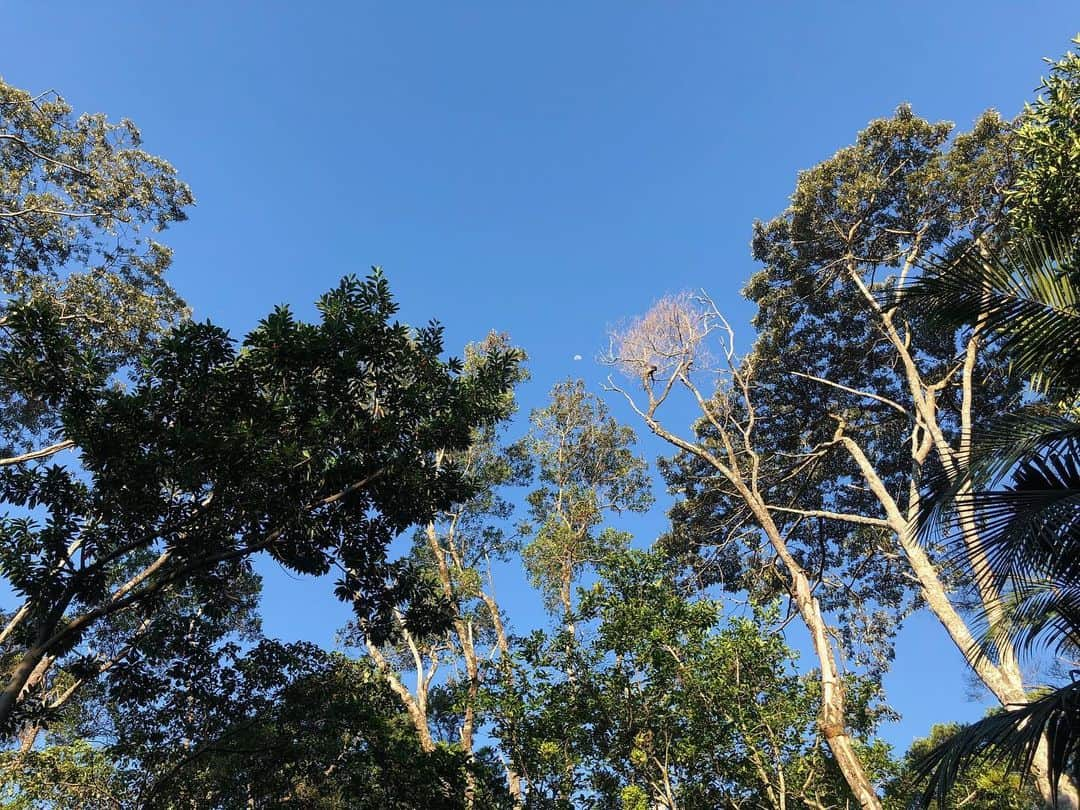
(881, 523)
(36, 454)
(855, 391)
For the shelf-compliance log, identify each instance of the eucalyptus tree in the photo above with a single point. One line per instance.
(445, 697)
(668, 347)
(585, 471)
(79, 204)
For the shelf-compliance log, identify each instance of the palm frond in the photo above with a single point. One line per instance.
(1026, 433)
(1020, 487)
(1027, 296)
(1000, 449)
(1039, 610)
(1031, 528)
(1029, 534)
(1010, 737)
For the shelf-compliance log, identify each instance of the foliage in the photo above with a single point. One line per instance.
(1025, 296)
(900, 189)
(78, 774)
(78, 200)
(988, 786)
(1046, 194)
(702, 712)
(672, 707)
(315, 443)
(586, 468)
(328, 735)
(454, 554)
(276, 726)
(1022, 483)
(136, 673)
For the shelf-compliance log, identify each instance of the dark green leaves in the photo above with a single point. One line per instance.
(1011, 737)
(317, 443)
(1025, 295)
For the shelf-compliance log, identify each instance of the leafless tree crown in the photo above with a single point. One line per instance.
(668, 340)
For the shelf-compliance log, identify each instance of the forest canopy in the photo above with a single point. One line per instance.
(897, 435)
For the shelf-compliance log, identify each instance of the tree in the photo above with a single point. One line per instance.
(78, 198)
(1046, 192)
(1021, 479)
(72, 775)
(314, 443)
(694, 711)
(455, 551)
(850, 397)
(586, 470)
(1022, 484)
(305, 729)
(280, 725)
(665, 348)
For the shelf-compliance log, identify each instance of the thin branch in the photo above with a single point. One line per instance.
(881, 523)
(22, 212)
(36, 454)
(4, 136)
(855, 391)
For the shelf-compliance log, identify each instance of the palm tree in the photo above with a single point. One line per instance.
(1022, 485)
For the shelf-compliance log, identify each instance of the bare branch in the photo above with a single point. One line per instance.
(855, 391)
(36, 454)
(881, 523)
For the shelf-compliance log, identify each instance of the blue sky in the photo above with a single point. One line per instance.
(544, 169)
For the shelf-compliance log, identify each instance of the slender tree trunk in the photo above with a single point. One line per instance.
(832, 715)
(502, 643)
(413, 707)
(1005, 679)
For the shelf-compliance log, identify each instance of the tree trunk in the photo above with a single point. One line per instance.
(832, 716)
(1004, 680)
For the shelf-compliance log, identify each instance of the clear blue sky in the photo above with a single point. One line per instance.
(540, 168)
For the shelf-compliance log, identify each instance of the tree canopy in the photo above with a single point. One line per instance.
(898, 434)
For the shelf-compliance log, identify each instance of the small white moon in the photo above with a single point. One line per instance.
(577, 356)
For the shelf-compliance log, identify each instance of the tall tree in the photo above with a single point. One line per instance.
(315, 443)
(456, 551)
(585, 471)
(666, 348)
(823, 432)
(1021, 483)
